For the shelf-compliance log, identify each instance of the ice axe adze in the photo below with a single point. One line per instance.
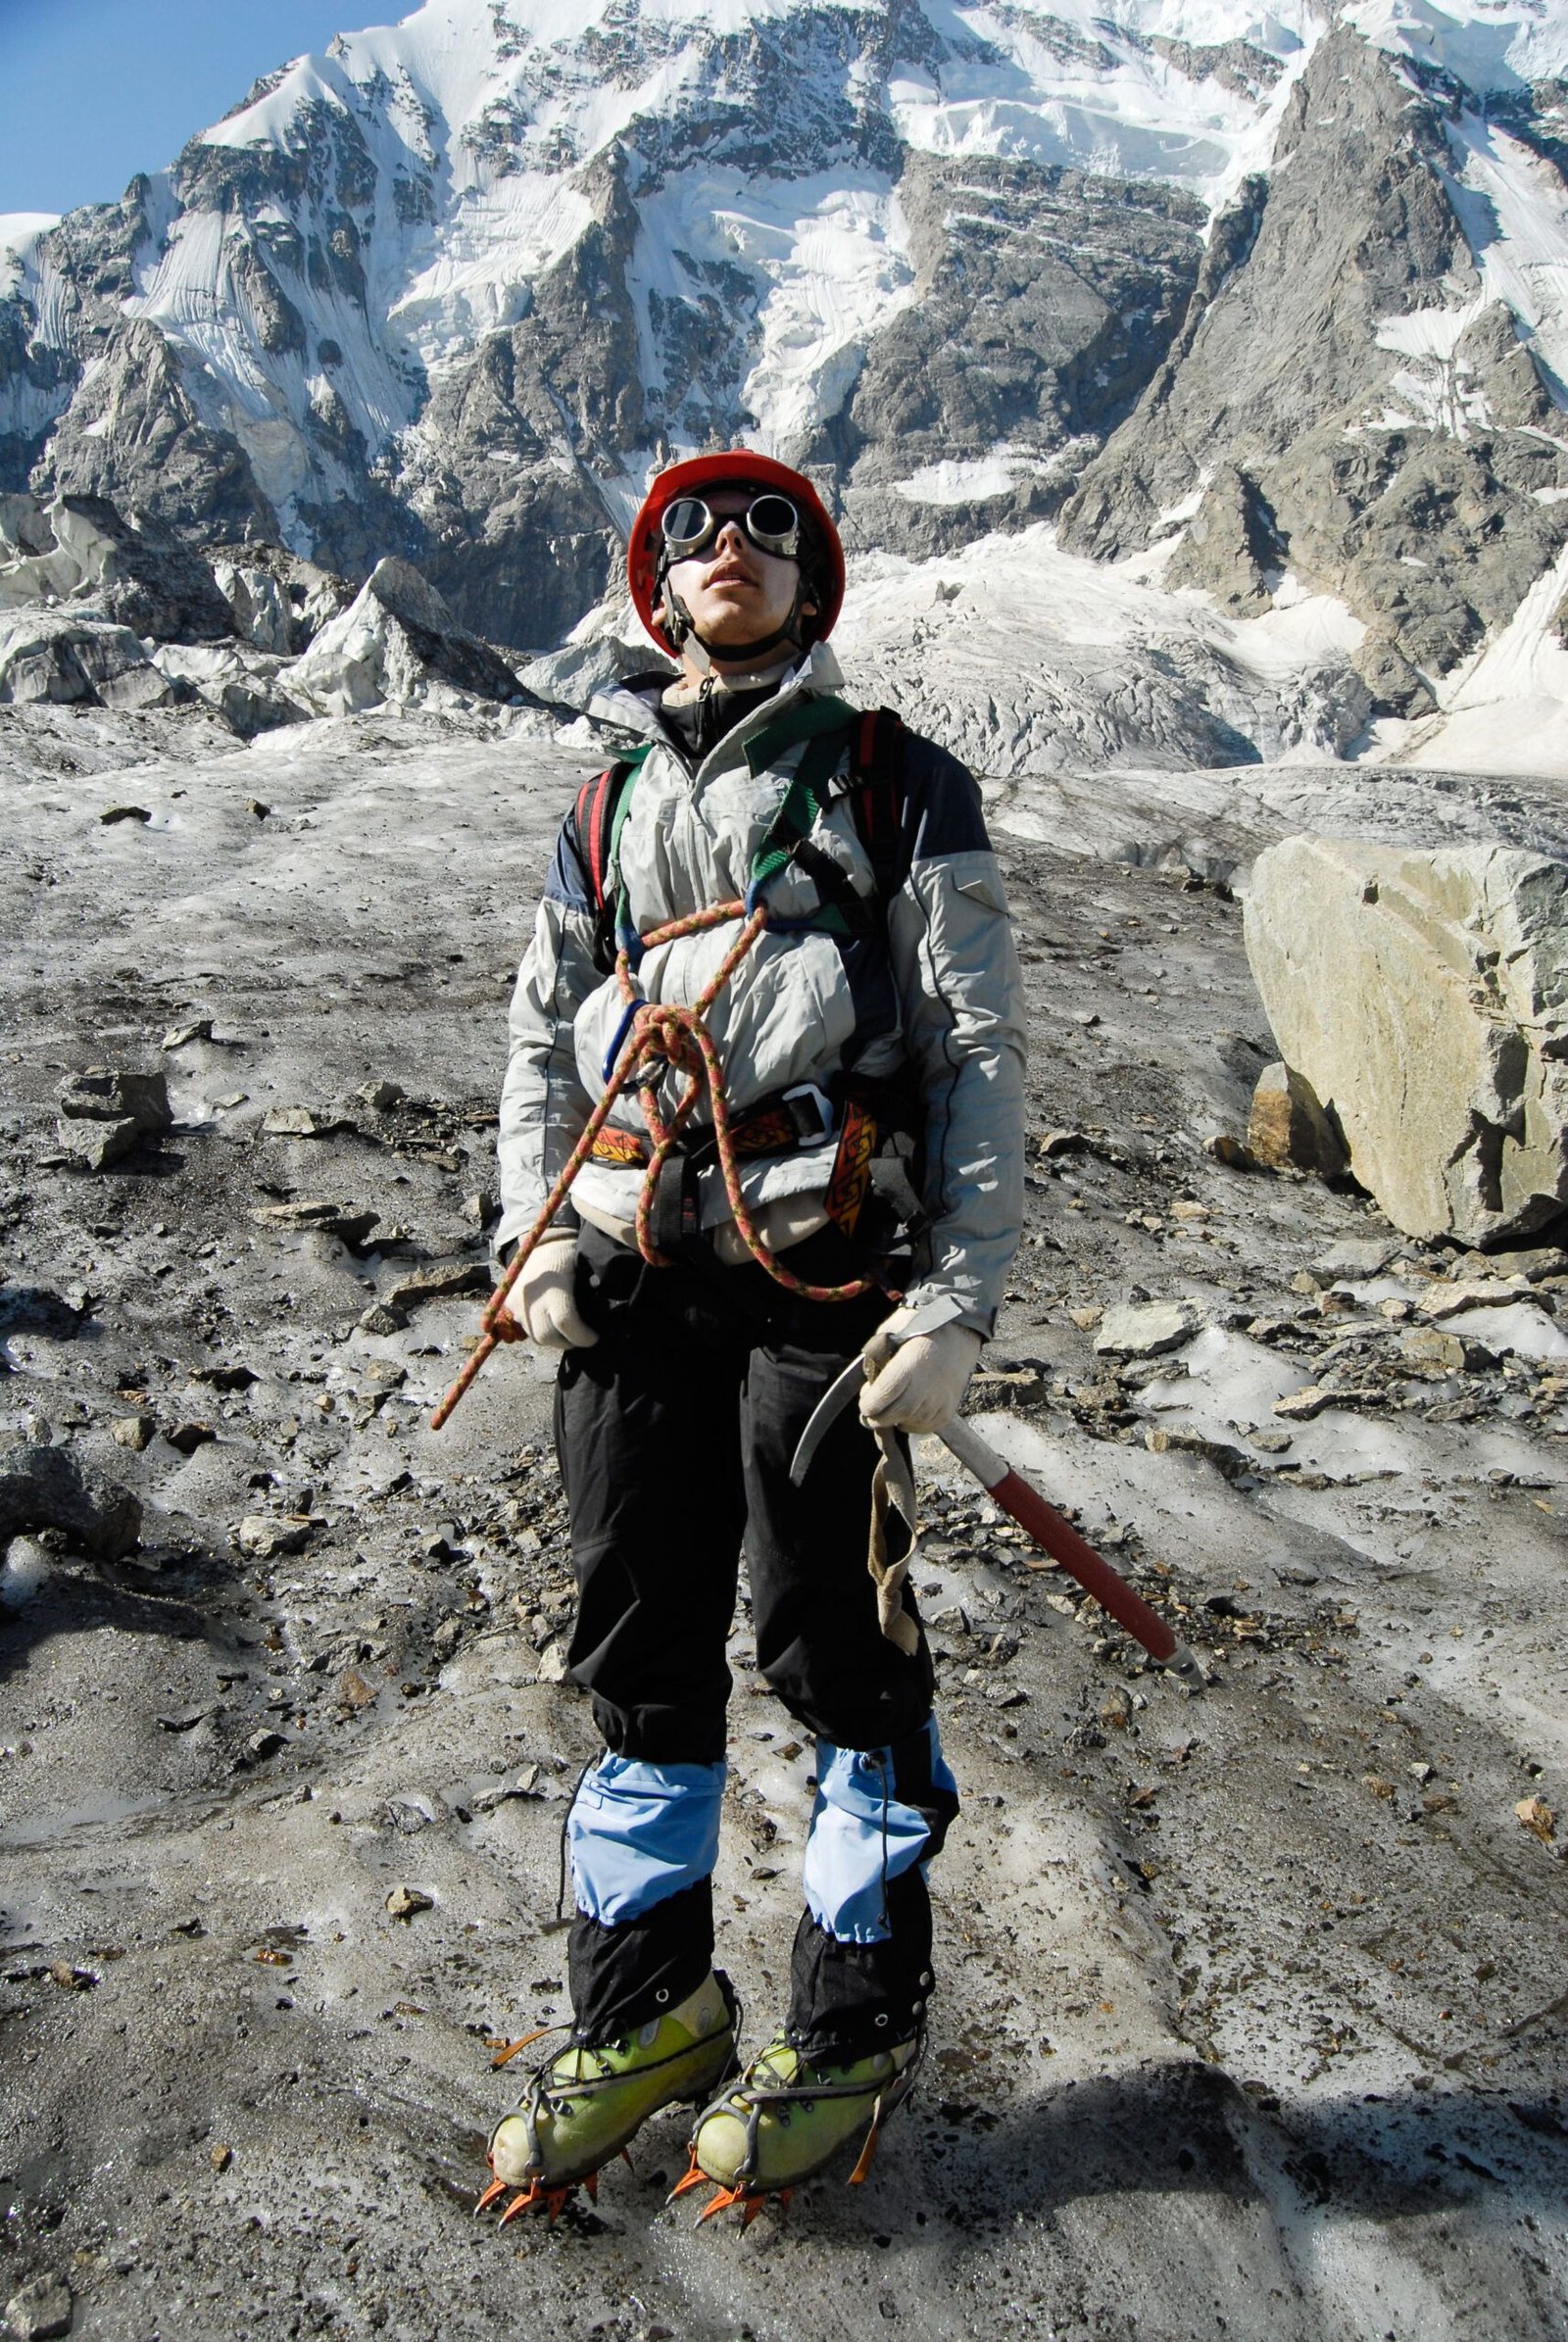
(1025, 1502)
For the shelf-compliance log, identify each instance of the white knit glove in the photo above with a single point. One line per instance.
(544, 1299)
(917, 1385)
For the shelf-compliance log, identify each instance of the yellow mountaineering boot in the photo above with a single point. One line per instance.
(583, 2105)
(787, 2116)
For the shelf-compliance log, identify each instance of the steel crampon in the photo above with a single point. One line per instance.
(748, 2201)
(656, 1031)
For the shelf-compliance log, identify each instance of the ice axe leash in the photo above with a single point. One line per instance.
(1022, 1502)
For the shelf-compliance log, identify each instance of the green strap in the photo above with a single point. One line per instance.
(632, 763)
(821, 724)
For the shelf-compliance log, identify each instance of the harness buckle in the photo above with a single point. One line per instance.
(808, 1093)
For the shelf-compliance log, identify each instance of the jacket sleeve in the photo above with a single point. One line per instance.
(542, 1103)
(960, 994)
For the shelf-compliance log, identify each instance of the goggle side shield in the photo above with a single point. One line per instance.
(689, 526)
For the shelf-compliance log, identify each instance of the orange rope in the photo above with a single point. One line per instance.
(667, 1033)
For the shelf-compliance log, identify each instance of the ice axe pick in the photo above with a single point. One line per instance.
(1021, 1500)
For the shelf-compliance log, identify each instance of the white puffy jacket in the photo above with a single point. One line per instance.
(931, 991)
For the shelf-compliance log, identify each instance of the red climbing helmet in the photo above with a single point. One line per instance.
(822, 554)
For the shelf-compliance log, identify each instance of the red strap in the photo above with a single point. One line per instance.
(591, 830)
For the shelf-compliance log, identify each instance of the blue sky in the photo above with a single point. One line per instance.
(93, 91)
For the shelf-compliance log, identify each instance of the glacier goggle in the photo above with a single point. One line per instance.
(689, 526)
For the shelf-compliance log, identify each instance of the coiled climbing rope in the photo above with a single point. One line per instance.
(660, 1034)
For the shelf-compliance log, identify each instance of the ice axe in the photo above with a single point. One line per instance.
(1019, 1498)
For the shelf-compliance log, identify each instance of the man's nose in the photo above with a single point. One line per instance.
(731, 536)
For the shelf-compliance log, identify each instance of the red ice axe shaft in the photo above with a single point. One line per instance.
(1022, 1501)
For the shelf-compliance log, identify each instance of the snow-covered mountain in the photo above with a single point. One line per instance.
(1286, 292)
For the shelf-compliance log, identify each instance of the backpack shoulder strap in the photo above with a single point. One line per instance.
(876, 762)
(599, 814)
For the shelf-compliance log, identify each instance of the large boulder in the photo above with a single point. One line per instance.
(1424, 996)
(398, 644)
(57, 656)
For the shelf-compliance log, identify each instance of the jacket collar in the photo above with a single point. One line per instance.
(633, 707)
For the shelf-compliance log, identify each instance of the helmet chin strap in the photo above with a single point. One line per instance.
(690, 644)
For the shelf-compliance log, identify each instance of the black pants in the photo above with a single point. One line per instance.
(675, 1433)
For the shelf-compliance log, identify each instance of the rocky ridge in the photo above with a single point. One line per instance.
(462, 281)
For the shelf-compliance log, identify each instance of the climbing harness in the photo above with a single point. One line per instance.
(657, 1037)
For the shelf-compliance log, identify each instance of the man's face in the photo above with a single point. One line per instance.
(735, 592)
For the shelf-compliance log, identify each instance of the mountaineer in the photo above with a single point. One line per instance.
(797, 908)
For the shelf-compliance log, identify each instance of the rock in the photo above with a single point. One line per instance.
(108, 1095)
(1354, 1259)
(1299, 1406)
(1428, 1350)
(404, 1902)
(439, 1281)
(381, 1318)
(264, 1744)
(382, 1097)
(1452, 1301)
(1536, 1814)
(188, 1437)
(99, 1146)
(1147, 1329)
(1288, 1128)
(293, 1122)
(51, 656)
(134, 1432)
(180, 1037)
(50, 1487)
(112, 817)
(266, 1536)
(398, 644)
(353, 1689)
(553, 1663)
(40, 2309)
(1424, 996)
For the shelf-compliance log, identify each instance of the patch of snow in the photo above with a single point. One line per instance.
(1486, 44)
(1508, 711)
(1073, 85)
(1437, 388)
(1308, 630)
(1513, 206)
(829, 257)
(1174, 515)
(957, 483)
(19, 236)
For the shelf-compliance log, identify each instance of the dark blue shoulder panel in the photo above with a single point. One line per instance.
(942, 811)
(568, 877)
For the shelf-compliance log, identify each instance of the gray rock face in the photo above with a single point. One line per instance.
(1283, 416)
(1424, 998)
(52, 655)
(1045, 299)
